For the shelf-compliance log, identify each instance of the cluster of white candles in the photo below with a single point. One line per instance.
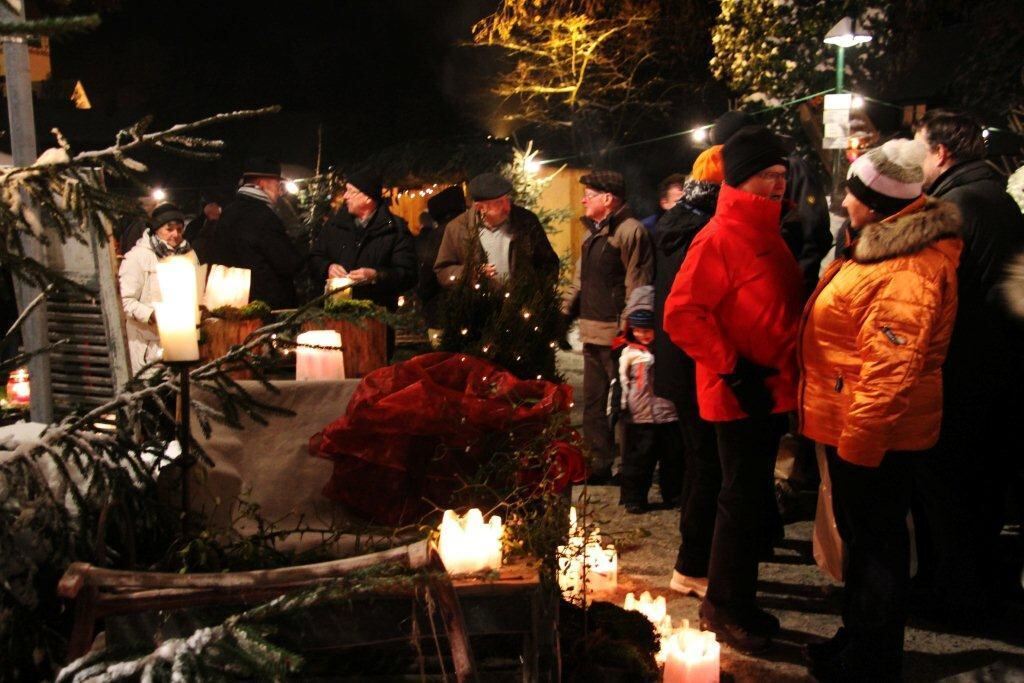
(468, 544)
(584, 565)
(688, 655)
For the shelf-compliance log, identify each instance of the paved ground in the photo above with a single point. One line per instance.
(792, 587)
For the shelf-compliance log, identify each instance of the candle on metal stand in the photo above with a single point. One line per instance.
(177, 313)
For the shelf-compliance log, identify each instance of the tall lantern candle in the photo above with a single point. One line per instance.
(227, 287)
(176, 314)
(324, 363)
(334, 283)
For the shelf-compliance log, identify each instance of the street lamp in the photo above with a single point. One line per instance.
(846, 33)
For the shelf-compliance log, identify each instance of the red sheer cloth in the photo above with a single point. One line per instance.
(415, 430)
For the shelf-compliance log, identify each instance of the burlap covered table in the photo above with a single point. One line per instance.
(270, 465)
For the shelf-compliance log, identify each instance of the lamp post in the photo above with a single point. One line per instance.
(845, 34)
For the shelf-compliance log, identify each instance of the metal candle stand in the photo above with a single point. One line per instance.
(183, 432)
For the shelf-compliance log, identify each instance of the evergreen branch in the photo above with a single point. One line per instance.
(52, 26)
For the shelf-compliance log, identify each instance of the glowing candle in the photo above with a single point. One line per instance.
(468, 544)
(177, 313)
(319, 363)
(18, 388)
(337, 283)
(692, 656)
(227, 287)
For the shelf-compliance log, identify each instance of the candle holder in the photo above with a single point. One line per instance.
(183, 432)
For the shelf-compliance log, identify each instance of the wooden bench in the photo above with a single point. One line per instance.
(513, 604)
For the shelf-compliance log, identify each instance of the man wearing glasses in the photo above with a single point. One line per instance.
(251, 235)
(616, 258)
(735, 309)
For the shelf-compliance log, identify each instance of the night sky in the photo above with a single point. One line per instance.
(372, 72)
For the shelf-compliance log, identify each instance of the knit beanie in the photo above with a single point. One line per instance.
(751, 150)
(642, 317)
(708, 166)
(166, 213)
(728, 124)
(888, 178)
(367, 182)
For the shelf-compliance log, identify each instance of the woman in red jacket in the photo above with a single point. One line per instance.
(735, 309)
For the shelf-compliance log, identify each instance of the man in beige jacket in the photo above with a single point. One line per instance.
(616, 257)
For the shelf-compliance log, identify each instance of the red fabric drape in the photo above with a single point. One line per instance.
(414, 428)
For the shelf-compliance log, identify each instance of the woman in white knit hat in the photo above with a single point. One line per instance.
(872, 343)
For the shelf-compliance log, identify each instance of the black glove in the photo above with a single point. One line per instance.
(747, 383)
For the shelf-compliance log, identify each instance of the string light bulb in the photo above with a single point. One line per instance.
(700, 134)
(159, 194)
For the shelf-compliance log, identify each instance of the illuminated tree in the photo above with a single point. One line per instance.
(580, 65)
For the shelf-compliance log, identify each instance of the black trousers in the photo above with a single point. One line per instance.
(598, 372)
(746, 450)
(871, 506)
(702, 481)
(959, 491)
(647, 446)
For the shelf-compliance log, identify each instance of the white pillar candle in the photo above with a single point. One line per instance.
(227, 287)
(468, 544)
(319, 363)
(177, 313)
(692, 656)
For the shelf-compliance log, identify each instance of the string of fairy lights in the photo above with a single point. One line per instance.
(699, 135)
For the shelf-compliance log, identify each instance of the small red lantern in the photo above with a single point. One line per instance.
(18, 391)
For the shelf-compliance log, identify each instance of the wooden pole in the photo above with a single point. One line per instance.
(23, 151)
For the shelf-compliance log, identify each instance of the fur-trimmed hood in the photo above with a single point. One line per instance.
(907, 233)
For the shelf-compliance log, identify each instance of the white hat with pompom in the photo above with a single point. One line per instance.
(891, 172)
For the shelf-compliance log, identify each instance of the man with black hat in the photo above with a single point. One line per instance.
(805, 225)
(251, 235)
(735, 310)
(368, 244)
(616, 257)
(503, 240)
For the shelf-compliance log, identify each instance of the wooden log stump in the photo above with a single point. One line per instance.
(364, 343)
(219, 335)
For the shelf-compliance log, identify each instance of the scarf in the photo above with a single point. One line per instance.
(254, 192)
(163, 250)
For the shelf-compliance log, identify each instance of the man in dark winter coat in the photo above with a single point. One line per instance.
(616, 257)
(675, 377)
(507, 241)
(200, 230)
(960, 486)
(367, 243)
(251, 235)
(442, 209)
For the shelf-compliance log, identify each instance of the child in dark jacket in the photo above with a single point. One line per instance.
(652, 426)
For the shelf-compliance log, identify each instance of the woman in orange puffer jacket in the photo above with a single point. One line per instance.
(872, 342)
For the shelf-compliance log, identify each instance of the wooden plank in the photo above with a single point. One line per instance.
(413, 555)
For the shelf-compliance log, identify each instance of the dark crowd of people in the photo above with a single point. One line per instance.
(893, 359)
(725, 325)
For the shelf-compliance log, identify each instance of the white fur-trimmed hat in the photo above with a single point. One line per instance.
(889, 177)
